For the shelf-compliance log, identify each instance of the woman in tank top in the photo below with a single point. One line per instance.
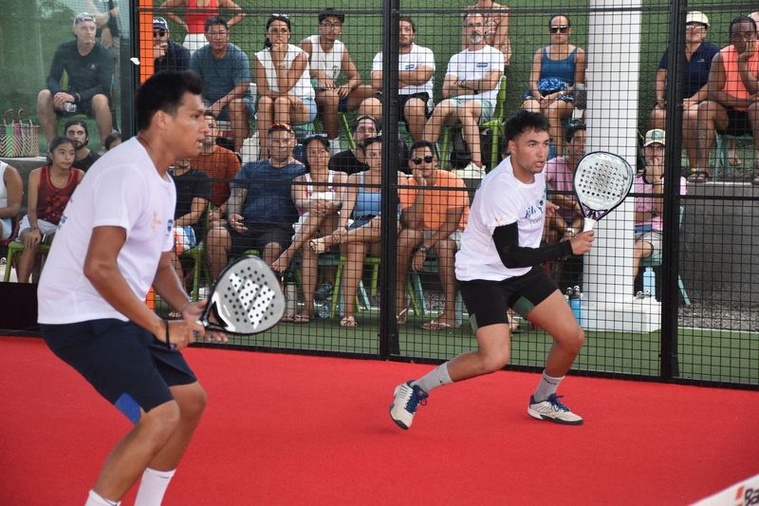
(283, 81)
(195, 14)
(11, 193)
(363, 235)
(50, 188)
(556, 70)
(319, 196)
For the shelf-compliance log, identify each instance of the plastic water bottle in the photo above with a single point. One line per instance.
(649, 282)
(575, 303)
(323, 309)
(69, 107)
(291, 296)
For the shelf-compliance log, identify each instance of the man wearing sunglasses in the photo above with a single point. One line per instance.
(434, 216)
(169, 55)
(89, 68)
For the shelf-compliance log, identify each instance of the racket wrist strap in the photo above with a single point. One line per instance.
(166, 326)
(588, 224)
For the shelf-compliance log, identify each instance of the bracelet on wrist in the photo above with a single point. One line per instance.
(166, 326)
(189, 301)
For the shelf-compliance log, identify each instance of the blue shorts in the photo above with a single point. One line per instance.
(487, 301)
(125, 363)
(249, 103)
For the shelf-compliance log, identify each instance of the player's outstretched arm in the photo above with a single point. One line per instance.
(506, 239)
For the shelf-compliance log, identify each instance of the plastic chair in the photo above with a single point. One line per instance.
(15, 247)
(722, 165)
(494, 124)
(197, 255)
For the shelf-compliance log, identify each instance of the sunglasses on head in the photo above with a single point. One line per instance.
(281, 126)
(559, 29)
(84, 16)
(159, 33)
(426, 159)
(277, 15)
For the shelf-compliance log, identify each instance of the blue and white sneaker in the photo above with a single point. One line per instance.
(553, 410)
(406, 399)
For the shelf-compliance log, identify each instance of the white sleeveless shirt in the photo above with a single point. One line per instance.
(328, 62)
(302, 88)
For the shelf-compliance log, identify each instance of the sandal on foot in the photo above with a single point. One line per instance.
(699, 176)
(301, 318)
(288, 318)
(438, 325)
(348, 322)
(402, 317)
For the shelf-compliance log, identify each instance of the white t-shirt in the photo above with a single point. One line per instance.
(418, 56)
(500, 200)
(330, 62)
(303, 88)
(475, 65)
(122, 189)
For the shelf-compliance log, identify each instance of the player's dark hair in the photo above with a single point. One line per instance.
(408, 20)
(523, 121)
(164, 91)
(569, 132)
(331, 12)
(550, 21)
(740, 19)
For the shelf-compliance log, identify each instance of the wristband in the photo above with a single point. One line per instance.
(166, 325)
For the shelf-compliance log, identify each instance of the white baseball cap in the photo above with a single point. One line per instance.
(654, 136)
(697, 17)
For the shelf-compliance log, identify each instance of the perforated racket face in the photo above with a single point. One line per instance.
(603, 180)
(246, 298)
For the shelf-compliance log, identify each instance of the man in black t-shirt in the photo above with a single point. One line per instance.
(169, 55)
(193, 193)
(84, 157)
(88, 68)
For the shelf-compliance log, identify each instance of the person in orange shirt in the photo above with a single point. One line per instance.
(221, 165)
(433, 220)
(731, 106)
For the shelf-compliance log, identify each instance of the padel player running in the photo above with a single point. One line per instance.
(498, 267)
(115, 240)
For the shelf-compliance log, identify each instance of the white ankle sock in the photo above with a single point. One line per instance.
(152, 487)
(94, 499)
(546, 387)
(435, 378)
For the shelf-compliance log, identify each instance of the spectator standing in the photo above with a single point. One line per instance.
(470, 90)
(196, 13)
(77, 131)
(50, 188)
(496, 19)
(556, 70)
(11, 194)
(434, 216)
(169, 55)
(89, 69)
(416, 69)
(260, 211)
(283, 80)
(731, 105)
(225, 70)
(328, 57)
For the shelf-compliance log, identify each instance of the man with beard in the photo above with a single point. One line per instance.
(416, 66)
(470, 90)
(76, 130)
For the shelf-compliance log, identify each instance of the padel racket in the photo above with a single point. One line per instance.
(602, 181)
(246, 298)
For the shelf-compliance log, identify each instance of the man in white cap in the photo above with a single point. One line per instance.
(649, 211)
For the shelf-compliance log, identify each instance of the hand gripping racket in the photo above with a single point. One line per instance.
(246, 298)
(602, 181)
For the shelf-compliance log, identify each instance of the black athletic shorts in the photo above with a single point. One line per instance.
(737, 123)
(125, 363)
(259, 235)
(488, 301)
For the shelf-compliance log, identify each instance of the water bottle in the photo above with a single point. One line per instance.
(69, 107)
(575, 303)
(291, 297)
(649, 282)
(323, 309)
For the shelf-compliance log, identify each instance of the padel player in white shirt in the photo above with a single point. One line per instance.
(498, 267)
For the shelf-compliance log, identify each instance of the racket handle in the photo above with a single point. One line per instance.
(589, 224)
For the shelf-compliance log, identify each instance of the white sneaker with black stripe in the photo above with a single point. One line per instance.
(553, 410)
